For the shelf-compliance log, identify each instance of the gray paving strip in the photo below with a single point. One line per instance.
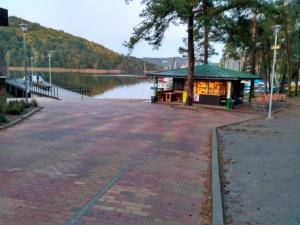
(74, 219)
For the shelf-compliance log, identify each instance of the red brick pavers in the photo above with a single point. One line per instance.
(54, 163)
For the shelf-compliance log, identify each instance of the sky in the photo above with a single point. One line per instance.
(107, 22)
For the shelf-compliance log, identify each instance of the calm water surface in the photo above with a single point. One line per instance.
(105, 86)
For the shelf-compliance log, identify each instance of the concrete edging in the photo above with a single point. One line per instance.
(21, 118)
(217, 201)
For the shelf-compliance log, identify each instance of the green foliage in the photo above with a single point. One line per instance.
(209, 22)
(15, 107)
(68, 51)
(158, 16)
(26, 105)
(2, 108)
(34, 103)
(240, 43)
(3, 118)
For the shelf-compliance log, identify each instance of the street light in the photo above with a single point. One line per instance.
(276, 29)
(31, 62)
(50, 78)
(24, 28)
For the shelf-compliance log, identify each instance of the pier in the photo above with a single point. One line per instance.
(17, 88)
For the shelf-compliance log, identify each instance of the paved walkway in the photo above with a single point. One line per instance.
(108, 162)
(261, 161)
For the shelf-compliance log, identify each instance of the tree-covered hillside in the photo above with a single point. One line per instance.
(67, 51)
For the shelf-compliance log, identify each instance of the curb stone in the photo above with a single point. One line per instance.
(217, 202)
(21, 118)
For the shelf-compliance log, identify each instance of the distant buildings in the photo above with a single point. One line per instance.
(3, 22)
(3, 17)
(3, 68)
(168, 63)
(233, 64)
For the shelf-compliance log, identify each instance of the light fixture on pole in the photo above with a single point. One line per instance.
(50, 78)
(276, 29)
(24, 28)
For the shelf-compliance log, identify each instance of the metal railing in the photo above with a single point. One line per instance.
(80, 89)
(42, 87)
(45, 90)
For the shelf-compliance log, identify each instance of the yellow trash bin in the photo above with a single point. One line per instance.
(184, 96)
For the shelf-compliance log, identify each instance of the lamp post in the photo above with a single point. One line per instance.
(297, 26)
(31, 62)
(50, 78)
(24, 28)
(276, 29)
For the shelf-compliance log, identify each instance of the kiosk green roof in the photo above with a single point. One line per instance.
(205, 72)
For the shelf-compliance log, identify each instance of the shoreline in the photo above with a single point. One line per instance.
(66, 70)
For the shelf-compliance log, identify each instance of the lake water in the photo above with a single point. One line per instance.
(105, 86)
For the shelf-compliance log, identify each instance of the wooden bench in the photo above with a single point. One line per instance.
(261, 103)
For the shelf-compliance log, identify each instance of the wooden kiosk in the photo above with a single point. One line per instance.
(212, 85)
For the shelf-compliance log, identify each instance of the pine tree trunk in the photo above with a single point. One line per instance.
(254, 34)
(288, 58)
(206, 44)
(191, 57)
(297, 77)
(284, 75)
(253, 57)
(265, 66)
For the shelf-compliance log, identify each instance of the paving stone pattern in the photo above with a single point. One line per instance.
(54, 163)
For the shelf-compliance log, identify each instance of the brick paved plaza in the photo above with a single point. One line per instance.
(108, 162)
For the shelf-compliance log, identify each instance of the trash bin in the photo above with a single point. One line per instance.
(153, 99)
(232, 103)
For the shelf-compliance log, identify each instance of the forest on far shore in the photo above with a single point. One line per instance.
(67, 51)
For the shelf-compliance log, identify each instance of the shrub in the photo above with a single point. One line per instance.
(2, 108)
(34, 103)
(3, 118)
(15, 107)
(26, 105)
